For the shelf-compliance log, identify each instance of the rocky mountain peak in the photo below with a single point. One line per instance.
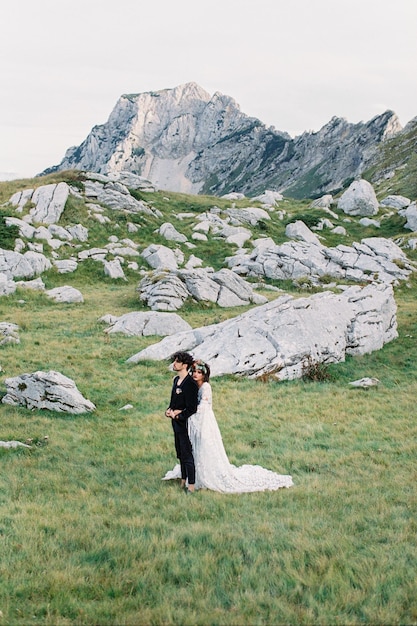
(184, 139)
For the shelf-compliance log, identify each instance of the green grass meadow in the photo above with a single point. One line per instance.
(91, 535)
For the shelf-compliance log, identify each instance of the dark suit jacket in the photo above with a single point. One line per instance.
(185, 397)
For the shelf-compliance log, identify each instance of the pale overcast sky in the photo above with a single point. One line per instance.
(294, 64)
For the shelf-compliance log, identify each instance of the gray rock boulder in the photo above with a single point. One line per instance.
(7, 286)
(25, 230)
(359, 199)
(36, 284)
(20, 198)
(79, 232)
(282, 337)
(66, 266)
(411, 215)
(116, 196)
(65, 294)
(113, 269)
(15, 265)
(160, 257)
(170, 233)
(97, 254)
(374, 259)
(132, 181)
(367, 221)
(324, 202)
(9, 333)
(300, 231)
(168, 291)
(46, 390)
(247, 215)
(138, 323)
(49, 203)
(395, 202)
(163, 291)
(270, 198)
(38, 262)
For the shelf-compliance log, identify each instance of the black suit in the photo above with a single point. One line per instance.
(184, 397)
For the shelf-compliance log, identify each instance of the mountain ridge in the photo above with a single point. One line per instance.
(185, 140)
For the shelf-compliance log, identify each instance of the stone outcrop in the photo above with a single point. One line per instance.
(373, 259)
(46, 390)
(145, 323)
(395, 202)
(168, 290)
(9, 333)
(7, 285)
(184, 139)
(66, 293)
(115, 195)
(410, 213)
(359, 199)
(49, 201)
(282, 337)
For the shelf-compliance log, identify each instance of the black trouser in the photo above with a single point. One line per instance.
(185, 456)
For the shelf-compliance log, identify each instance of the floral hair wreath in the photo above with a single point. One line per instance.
(200, 366)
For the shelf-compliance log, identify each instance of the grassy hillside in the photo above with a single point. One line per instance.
(91, 535)
(395, 169)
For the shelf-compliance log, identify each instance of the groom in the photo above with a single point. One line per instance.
(183, 404)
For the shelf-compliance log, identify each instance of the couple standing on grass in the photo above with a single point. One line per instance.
(203, 462)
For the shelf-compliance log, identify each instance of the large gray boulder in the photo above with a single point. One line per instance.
(283, 336)
(132, 181)
(46, 390)
(25, 229)
(359, 199)
(38, 261)
(145, 323)
(301, 232)
(116, 196)
(167, 291)
(113, 269)
(160, 257)
(170, 233)
(163, 291)
(49, 203)
(15, 265)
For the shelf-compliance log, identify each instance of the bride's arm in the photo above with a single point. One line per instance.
(206, 395)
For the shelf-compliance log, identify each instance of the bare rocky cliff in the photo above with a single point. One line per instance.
(183, 139)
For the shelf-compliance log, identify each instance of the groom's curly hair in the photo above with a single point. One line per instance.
(183, 357)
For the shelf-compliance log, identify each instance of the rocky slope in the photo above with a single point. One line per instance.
(185, 140)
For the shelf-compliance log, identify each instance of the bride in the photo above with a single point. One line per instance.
(213, 469)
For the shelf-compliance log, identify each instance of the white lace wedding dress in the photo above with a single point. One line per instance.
(213, 469)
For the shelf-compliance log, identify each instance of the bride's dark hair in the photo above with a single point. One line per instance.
(204, 368)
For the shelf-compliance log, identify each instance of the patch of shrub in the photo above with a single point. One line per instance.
(8, 234)
(314, 371)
